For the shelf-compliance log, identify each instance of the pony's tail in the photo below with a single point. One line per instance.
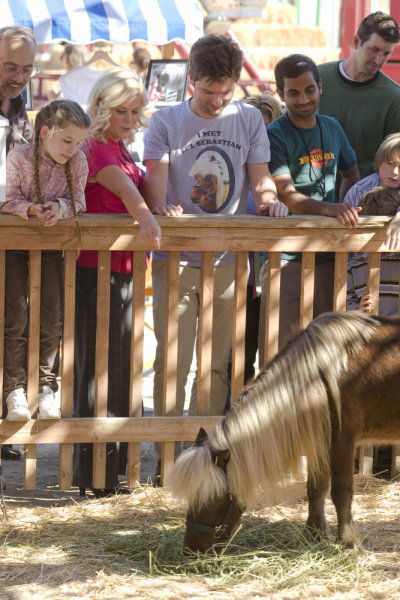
(195, 478)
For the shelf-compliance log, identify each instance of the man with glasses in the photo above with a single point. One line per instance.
(17, 55)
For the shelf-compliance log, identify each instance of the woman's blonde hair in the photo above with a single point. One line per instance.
(388, 151)
(266, 103)
(115, 87)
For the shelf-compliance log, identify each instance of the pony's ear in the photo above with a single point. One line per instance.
(220, 458)
(202, 437)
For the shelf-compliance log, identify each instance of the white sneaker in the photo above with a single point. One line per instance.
(49, 407)
(17, 406)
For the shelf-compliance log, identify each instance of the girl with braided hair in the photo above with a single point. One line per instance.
(45, 181)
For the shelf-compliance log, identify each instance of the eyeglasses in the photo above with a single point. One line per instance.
(14, 70)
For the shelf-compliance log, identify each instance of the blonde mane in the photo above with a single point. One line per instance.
(282, 415)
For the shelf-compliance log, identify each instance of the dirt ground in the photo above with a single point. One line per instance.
(47, 492)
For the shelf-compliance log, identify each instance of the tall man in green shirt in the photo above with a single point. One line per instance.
(363, 99)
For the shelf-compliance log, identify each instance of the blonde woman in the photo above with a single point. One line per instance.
(114, 185)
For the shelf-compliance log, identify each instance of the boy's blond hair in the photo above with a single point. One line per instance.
(388, 151)
(266, 103)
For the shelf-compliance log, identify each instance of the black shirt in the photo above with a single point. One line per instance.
(18, 123)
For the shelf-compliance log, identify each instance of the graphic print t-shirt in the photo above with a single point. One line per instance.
(207, 160)
(291, 154)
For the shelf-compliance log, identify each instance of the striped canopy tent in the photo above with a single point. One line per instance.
(115, 21)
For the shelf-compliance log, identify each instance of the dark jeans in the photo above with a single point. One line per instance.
(251, 335)
(16, 318)
(118, 367)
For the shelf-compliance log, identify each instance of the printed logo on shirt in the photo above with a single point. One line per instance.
(214, 180)
(316, 158)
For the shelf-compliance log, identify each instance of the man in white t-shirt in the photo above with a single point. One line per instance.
(200, 156)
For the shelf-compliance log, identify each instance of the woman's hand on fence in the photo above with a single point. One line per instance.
(392, 235)
(150, 232)
(167, 210)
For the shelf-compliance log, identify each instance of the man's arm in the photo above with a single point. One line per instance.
(264, 191)
(349, 178)
(155, 189)
(300, 204)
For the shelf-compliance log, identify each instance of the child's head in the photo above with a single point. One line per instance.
(270, 108)
(60, 126)
(118, 90)
(380, 201)
(387, 161)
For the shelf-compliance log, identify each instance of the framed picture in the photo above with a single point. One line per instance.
(167, 80)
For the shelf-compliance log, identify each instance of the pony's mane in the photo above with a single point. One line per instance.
(282, 415)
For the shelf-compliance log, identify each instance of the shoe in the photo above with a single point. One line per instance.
(48, 404)
(17, 406)
(9, 453)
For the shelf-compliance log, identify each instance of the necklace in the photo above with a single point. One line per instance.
(320, 181)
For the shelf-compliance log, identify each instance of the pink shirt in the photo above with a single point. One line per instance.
(101, 200)
(20, 188)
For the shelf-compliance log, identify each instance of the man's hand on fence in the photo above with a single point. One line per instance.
(167, 210)
(273, 208)
(346, 214)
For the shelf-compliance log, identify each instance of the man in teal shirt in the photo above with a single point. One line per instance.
(363, 99)
(307, 151)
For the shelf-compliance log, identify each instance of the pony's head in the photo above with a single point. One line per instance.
(199, 476)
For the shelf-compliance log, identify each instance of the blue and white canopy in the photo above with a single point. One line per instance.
(114, 21)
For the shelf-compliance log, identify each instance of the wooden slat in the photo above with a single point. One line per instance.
(366, 461)
(204, 340)
(272, 311)
(171, 356)
(124, 429)
(33, 360)
(67, 364)
(236, 233)
(374, 274)
(239, 324)
(2, 309)
(307, 289)
(101, 363)
(395, 466)
(340, 283)
(136, 366)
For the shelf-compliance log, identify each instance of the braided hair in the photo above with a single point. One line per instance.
(57, 115)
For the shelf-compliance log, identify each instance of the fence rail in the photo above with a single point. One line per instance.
(209, 234)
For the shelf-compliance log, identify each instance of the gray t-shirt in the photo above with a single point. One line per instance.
(207, 160)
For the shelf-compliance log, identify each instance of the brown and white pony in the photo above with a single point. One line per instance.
(334, 386)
